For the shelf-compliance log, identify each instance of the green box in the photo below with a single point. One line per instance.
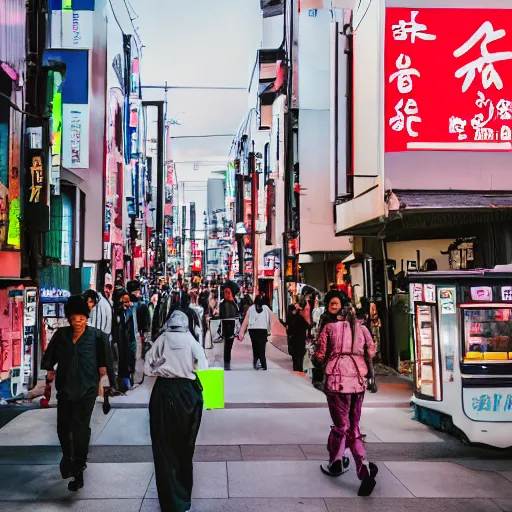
(212, 381)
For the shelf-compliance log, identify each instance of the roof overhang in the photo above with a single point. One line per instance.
(431, 213)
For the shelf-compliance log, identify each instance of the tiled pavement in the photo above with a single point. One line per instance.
(258, 459)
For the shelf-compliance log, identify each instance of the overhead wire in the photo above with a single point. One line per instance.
(365, 13)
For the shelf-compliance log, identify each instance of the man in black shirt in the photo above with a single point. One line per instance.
(80, 353)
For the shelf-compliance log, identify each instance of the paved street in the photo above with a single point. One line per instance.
(261, 453)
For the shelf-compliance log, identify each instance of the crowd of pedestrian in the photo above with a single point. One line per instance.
(116, 337)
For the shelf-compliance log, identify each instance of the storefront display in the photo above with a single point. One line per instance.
(463, 353)
(20, 341)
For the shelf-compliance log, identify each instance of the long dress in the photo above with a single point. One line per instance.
(175, 411)
(174, 432)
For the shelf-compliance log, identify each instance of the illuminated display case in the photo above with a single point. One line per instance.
(463, 352)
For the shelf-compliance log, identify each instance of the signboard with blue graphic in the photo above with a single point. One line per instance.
(493, 404)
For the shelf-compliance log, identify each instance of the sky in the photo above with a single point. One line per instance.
(200, 43)
(197, 43)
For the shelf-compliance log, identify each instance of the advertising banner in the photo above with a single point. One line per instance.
(72, 29)
(448, 79)
(75, 136)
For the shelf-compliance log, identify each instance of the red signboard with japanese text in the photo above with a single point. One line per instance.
(448, 79)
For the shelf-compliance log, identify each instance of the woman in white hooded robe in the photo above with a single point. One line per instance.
(175, 410)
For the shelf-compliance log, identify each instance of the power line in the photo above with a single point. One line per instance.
(201, 88)
(115, 17)
(364, 15)
(132, 19)
(201, 136)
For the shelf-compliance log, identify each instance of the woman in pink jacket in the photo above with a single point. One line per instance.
(346, 350)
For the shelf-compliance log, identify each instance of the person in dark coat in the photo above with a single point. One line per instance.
(142, 314)
(175, 411)
(124, 338)
(298, 324)
(228, 314)
(80, 353)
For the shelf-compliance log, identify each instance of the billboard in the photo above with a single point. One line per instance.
(72, 29)
(448, 79)
(75, 136)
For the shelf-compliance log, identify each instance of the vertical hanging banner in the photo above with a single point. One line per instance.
(72, 24)
(75, 136)
(448, 79)
(36, 193)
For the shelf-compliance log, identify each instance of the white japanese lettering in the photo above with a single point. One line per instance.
(416, 30)
(506, 133)
(458, 126)
(479, 122)
(399, 122)
(404, 74)
(484, 64)
(504, 109)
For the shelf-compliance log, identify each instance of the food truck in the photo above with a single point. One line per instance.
(462, 337)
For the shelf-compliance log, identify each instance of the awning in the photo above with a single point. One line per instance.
(321, 257)
(420, 214)
(451, 200)
(272, 8)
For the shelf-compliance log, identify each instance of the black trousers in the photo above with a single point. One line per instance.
(175, 413)
(228, 347)
(259, 344)
(73, 426)
(298, 349)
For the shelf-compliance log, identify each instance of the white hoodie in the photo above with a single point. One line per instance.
(175, 354)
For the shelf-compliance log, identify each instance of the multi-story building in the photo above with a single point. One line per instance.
(430, 147)
(289, 132)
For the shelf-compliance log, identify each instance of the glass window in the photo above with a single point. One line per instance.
(488, 334)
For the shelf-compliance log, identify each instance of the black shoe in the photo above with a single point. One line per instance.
(368, 483)
(227, 367)
(333, 469)
(264, 368)
(345, 462)
(76, 484)
(66, 467)
(255, 366)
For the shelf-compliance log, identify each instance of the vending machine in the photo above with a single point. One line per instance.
(24, 337)
(463, 353)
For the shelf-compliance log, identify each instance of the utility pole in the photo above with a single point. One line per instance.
(253, 173)
(160, 184)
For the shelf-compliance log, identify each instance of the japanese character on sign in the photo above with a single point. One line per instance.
(398, 123)
(37, 179)
(504, 108)
(458, 126)
(416, 30)
(484, 64)
(496, 403)
(479, 122)
(482, 403)
(404, 74)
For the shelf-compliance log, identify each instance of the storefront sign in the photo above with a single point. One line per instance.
(37, 180)
(54, 293)
(36, 200)
(448, 89)
(481, 293)
(75, 136)
(72, 29)
(4, 154)
(488, 404)
(506, 293)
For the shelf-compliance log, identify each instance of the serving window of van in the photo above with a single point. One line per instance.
(487, 332)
